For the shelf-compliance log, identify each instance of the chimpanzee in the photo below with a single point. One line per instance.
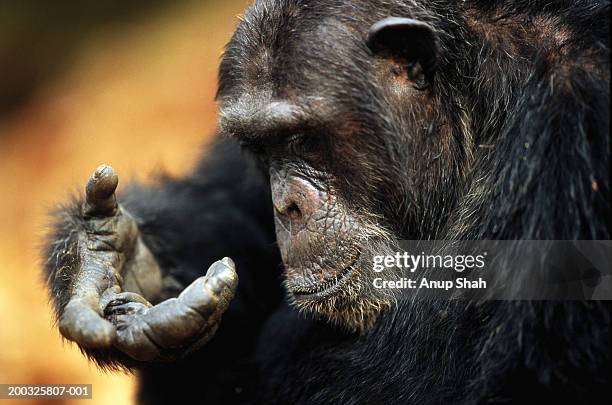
(345, 124)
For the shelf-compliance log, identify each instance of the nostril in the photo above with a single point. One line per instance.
(293, 212)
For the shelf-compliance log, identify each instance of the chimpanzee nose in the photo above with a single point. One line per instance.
(295, 199)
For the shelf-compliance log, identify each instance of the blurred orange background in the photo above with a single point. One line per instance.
(82, 86)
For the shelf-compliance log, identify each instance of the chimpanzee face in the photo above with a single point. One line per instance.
(341, 114)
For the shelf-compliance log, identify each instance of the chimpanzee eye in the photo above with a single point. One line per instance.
(294, 142)
(295, 139)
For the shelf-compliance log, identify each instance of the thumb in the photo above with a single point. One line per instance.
(100, 192)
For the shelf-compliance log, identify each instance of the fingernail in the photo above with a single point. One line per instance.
(222, 270)
(103, 169)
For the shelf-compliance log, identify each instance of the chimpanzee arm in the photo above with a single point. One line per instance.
(108, 264)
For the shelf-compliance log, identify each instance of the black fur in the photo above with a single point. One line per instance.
(533, 163)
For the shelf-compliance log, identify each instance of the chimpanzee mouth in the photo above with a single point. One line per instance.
(324, 289)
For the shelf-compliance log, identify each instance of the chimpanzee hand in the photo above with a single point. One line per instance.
(117, 278)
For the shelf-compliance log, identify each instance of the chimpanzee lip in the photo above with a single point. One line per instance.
(325, 289)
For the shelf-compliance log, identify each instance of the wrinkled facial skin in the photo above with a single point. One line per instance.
(314, 232)
(343, 135)
(325, 242)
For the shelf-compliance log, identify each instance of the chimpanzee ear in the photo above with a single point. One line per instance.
(410, 42)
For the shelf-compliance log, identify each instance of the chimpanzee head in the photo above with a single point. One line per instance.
(338, 100)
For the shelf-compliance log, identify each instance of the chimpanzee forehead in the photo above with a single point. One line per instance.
(291, 47)
(302, 65)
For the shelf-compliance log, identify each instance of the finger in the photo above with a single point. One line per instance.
(220, 280)
(81, 323)
(113, 299)
(100, 192)
(81, 320)
(177, 321)
(182, 321)
(133, 334)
